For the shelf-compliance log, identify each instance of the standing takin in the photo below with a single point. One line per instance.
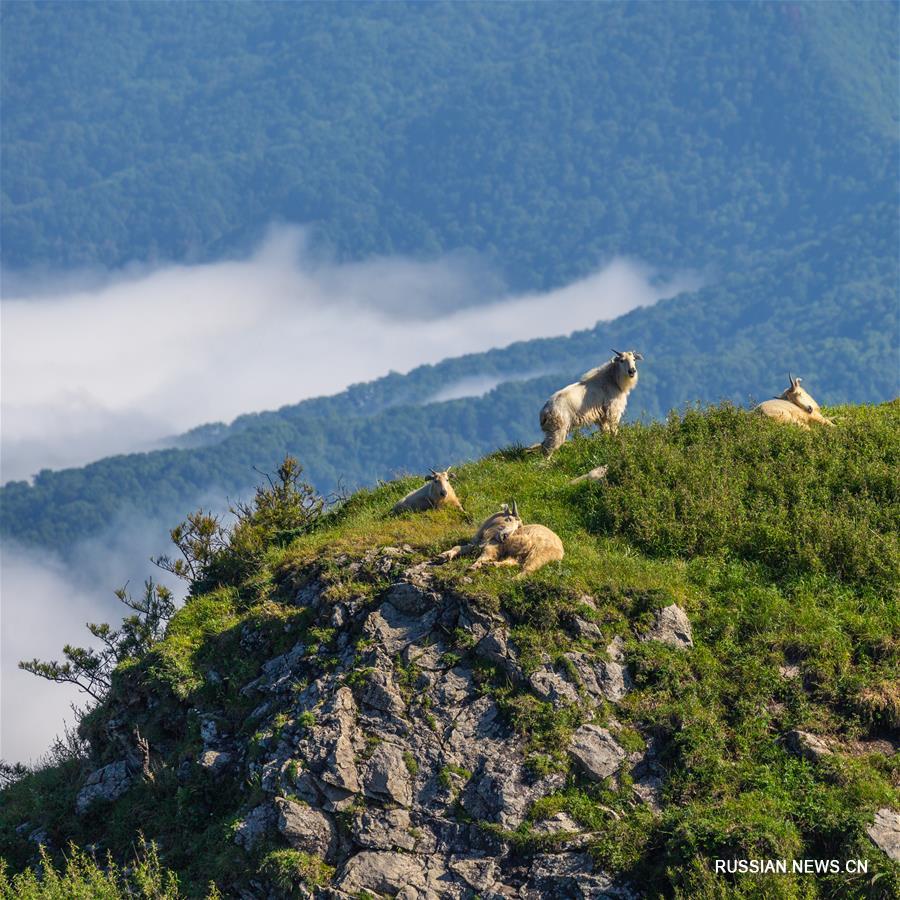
(435, 493)
(794, 406)
(599, 397)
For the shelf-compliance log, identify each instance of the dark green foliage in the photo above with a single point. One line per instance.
(725, 482)
(547, 138)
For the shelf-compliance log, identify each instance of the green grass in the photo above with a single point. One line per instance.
(781, 545)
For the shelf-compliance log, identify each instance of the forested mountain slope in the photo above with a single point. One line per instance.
(547, 137)
(827, 311)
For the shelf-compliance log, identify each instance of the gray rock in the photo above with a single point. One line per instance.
(329, 747)
(393, 630)
(104, 786)
(384, 829)
(214, 762)
(649, 791)
(885, 832)
(479, 873)
(306, 829)
(671, 627)
(561, 823)
(253, 827)
(278, 673)
(387, 777)
(582, 628)
(614, 679)
(597, 474)
(411, 598)
(571, 876)
(39, 837)
(809, 746)
(494, 647)
(551, 686)
(382, 872)
(498, 790)
(596, 752)
(381, 691)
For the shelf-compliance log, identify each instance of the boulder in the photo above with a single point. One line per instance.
(387, 776)
(381, 692)
(305, 828)
(214, 762)
(571, 876)
(671, 627)
(809, 746)
(384, 829)
(381, 873)
(885, 832)
(612, 674)
(552, 687)
(479, 873)
(596, 752)
(104, 786)
(253, 827)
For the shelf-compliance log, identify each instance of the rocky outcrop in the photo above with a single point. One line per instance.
(885, 832)
(596, 752)
(305, 828)
(104, 785)
(671, 627)
(811, 747)
(395, 763)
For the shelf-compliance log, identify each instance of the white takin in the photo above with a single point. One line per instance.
(599, 397)
(435, 493)
(794, 406)
(504, 540)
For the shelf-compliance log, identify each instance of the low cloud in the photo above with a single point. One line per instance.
(98, 363)
(46, 604)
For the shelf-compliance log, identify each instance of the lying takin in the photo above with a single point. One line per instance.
(795, 407)
(504, 540)
(435, 493)
(599, 397)
(502, 522)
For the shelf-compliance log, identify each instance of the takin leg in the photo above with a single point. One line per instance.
(553, 441)
(489, 555)
(506, 561)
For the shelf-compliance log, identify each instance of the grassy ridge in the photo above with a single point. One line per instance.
(781, 545)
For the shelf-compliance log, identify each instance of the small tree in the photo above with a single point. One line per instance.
(199, 539)
(282, 509)
(91, 669)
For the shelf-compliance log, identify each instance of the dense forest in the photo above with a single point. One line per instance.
(547, 137)
(755, 143)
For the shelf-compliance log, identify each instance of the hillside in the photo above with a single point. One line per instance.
(826, 311)
(709, 673)
(545, 137)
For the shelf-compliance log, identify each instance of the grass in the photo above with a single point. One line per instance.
(781, 545)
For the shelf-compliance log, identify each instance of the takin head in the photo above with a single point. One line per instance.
(441, 491)
(498, 527)
(625, 367)
(799, 397)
